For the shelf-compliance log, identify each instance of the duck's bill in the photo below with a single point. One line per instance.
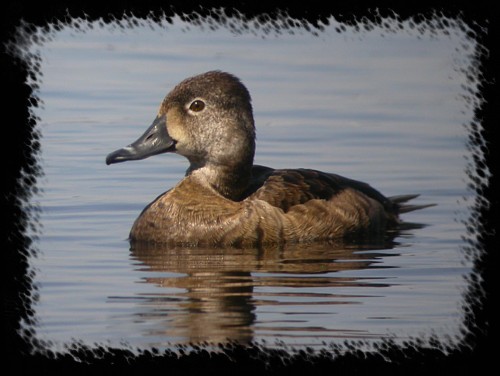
(155, 140)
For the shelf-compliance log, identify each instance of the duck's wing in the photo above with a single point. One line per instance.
(285, 188)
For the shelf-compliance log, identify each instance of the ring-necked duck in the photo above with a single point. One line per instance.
(225, 199)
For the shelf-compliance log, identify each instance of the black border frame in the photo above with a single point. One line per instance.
(23, 142)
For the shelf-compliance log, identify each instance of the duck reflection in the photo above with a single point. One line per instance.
(211, 294)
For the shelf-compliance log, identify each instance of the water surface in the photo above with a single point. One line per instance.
(383, 107)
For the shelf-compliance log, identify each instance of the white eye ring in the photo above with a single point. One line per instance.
(197, 105)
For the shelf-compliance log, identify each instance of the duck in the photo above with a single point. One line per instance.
(226, 200)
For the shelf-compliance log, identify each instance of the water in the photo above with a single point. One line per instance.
(386, 108)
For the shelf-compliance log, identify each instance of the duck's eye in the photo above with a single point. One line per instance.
(197, 105)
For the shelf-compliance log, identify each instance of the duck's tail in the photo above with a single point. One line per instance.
(400, 202)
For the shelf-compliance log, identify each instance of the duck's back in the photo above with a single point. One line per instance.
(285, 188)
(321, 206)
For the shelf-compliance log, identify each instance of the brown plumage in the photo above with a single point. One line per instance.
(226, 200)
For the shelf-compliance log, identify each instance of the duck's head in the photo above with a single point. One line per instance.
(206, 118)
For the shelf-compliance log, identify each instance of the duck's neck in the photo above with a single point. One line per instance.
(229, 181)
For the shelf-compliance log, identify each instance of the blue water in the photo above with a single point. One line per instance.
(388, 108)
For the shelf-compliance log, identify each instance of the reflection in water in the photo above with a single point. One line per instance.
(212, 294)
